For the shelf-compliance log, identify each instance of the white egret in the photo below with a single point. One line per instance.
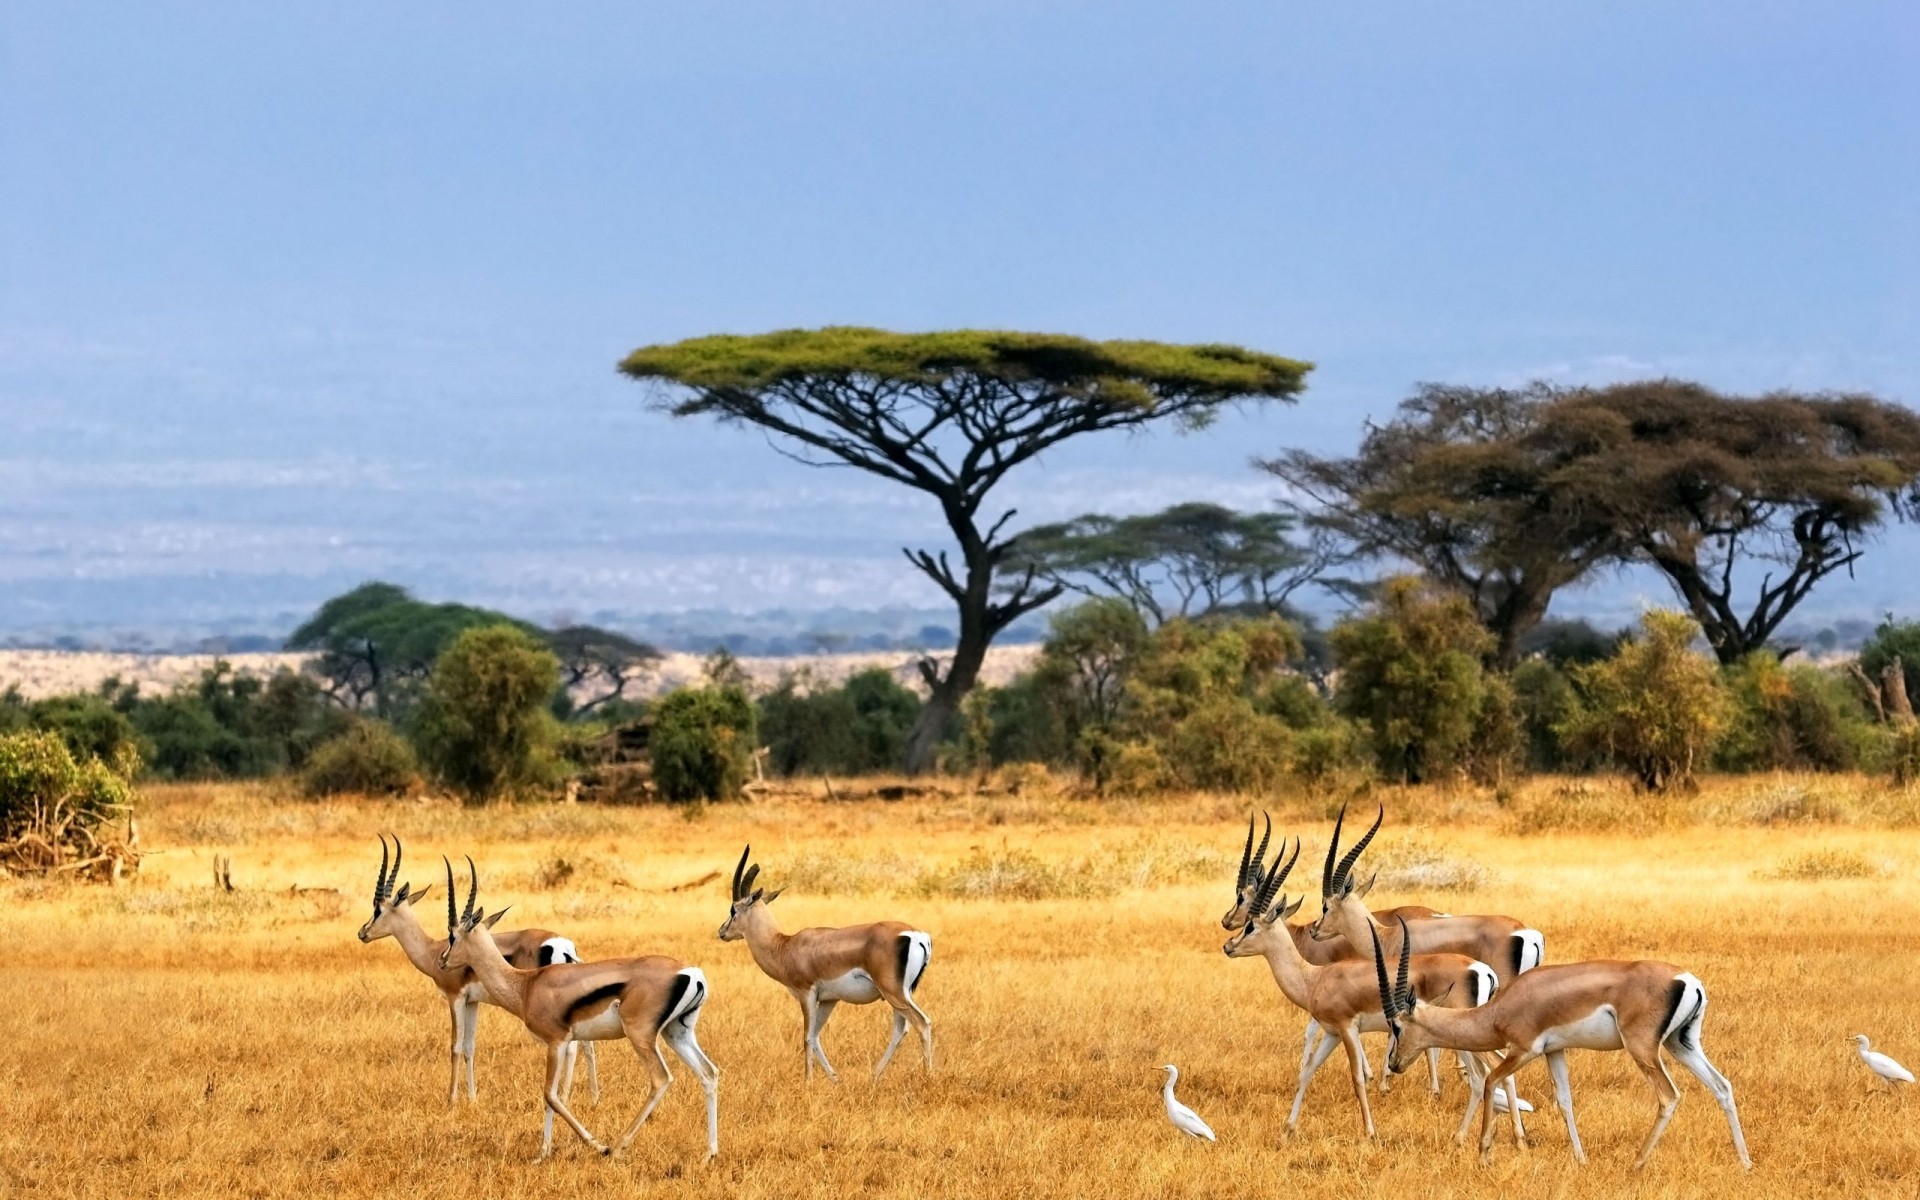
(1877, 1062)
(1500, 1101)
(1184, 1119)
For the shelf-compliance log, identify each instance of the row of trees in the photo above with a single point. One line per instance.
(1502, 496)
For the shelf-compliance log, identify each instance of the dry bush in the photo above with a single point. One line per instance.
(1815, 865)
(1015, 875)
(1594, 807)
(1418, 865)
(1784, 803)
(836, 873)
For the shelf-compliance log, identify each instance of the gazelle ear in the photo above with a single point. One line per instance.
(1366, 887)
(771, 896)
(493, 919)
(754, 896)
(408, 895)
(1291, 909)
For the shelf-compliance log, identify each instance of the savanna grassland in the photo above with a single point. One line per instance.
(169, 1039)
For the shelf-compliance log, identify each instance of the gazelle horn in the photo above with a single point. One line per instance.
(746, 881)
(740, 869)
(1402, 990)
(1260, 855)
(473, 888)
(1333, 849)
(1246, 855)
(380, 885)
(453, 915)
(1353, 855)
(395, 876)
(1282, 866)
(1387, 1007)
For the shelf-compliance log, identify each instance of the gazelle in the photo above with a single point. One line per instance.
(1503, 943)
(1640, 1007)
(1341, 996)
(645, 1000)
(822, 967)
(1253, 865)
(393, 917)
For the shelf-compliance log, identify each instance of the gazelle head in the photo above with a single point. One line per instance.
(745, 897)
(1266, 909)
(1407, 1037)
(1252, 864)
(1337, 886)
(467, 927)
(386, 902)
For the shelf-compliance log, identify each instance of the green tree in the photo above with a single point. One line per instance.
(1186, 561)
(484, 727)
(1459, 485)
(1714, 490)
(1892, 641)
(951, 415)
(376, 644)
(599, 662)
(1411, 673)
(1789, 718)
(858, 727)
(53, 804)
(1656, 707)
(702, 742)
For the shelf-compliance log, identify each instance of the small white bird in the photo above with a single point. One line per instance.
(1500, 1101)
(1184, 1119)
(1879, 1063)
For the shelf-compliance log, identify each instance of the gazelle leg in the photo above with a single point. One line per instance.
(456, 1011)
(1328, 1044)
(566, 1076)
(593, 1069)
(556, 1060)
(1433, 1070)
(1356, 1057)
(817, 1013)
(1476, 1070)
(923, 1024)
(1563, 1095)
(472, 1036)
(1665, 1095)
(1513, 1062)
(893, 1043)
(687, 1048)
(657, 1074)
(1695, 1060)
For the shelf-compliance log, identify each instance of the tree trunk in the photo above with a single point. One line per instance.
(1893, 682)
(977, 629)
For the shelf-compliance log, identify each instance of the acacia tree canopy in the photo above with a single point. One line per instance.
(1709, 488)
(950, 414)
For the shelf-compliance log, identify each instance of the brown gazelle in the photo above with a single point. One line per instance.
(1503, 943)
(1253, 865)
(1341, 996)
(823, 967)
(393, 917)
(645, 1000)
(1640, 1007)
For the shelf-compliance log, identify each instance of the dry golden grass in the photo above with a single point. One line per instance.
(170, 1040)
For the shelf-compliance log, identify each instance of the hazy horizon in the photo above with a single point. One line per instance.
(294, 299)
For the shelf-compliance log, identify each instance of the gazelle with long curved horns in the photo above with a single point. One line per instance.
(821, 968)
(1640, 1007)
(1253, 866)
(393, 917)
(1503, 943)
(1341, 996)
(645, 1000)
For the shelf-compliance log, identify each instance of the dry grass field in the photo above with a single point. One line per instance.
(171, 1040)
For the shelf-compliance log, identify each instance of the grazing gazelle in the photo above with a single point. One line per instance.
(1253, 866)
(1501, 942)
(645, 1000)
(1640, 1007)
(393, 917)
(1341, 996)
(822, 967)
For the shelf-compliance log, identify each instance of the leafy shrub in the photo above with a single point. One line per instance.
(484, 727)
(54, 807)
(1410, 672)
(1789, 718)
(1544, 698)
(1329, 754)
(702, 743)
(857, 728)
(1656, 707)
(368, 759)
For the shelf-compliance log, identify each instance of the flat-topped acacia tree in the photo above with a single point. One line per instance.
(950, 414)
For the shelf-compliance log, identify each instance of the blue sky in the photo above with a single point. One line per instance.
(297, 295)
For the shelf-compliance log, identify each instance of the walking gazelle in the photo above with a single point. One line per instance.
(645, 1000)
(822, 967)
(393, 917)
(1640, 1007)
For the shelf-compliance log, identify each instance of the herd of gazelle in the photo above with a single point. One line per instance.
(538, 976)
(1471, 984)
(1474, 985)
